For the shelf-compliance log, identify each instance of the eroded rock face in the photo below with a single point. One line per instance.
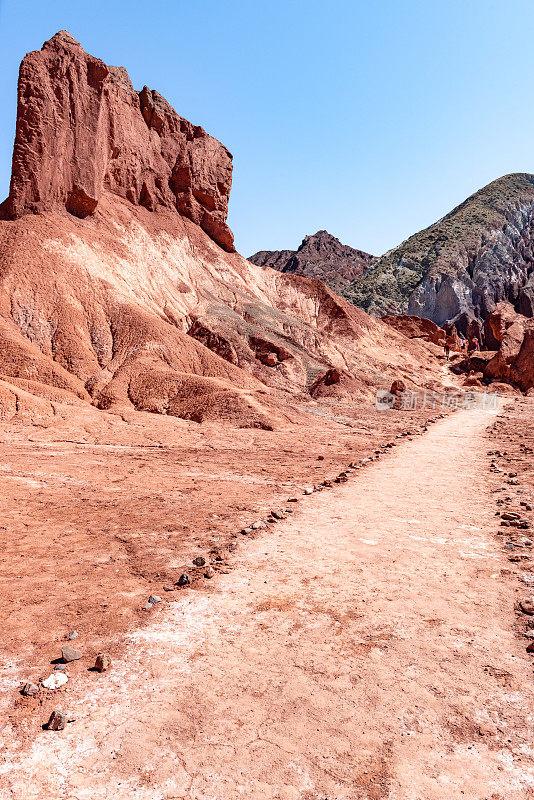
(511, 360)
(514, 361)
(319, 256)
(82, 129)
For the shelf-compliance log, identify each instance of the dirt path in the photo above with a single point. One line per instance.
(364, 649)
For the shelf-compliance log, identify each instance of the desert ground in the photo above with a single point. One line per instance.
(370, 644)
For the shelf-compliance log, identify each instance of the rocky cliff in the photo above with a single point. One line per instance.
(319, 256)
(117, 284)
(458, 269)
(82, 128)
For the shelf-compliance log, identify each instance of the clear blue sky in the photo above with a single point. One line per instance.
(370, 119)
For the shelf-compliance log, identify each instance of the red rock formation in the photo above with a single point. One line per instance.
(109, 296)
(514, 361)
(416, 328)
(82, 129)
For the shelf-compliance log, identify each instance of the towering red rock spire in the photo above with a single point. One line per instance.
(82, 129)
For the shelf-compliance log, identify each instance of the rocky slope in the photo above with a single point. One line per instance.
(458, 269)
(319, 256)
(118, 284)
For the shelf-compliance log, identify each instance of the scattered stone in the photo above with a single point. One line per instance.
(147, 606)
(277, 514)
(29, 689)
(292, 500)
(308, 490)
(57, 721)
(184, 580)
(246, 531)
(199, 561)
(103, 662)
(60, 667)
(257, 525)
(154, 599)
(72, 635)
(209, 573)
(70, 654)
(530, 648)
(510, 515)
(527, 605)
(55, 680)
(530, 633)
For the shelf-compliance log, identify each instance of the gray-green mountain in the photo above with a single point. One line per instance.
(459, 268)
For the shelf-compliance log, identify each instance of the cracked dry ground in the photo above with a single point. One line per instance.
(364, 648)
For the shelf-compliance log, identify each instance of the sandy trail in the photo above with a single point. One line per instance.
(363, 649)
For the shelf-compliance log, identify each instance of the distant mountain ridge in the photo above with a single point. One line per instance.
(319, 256)
(459, 268)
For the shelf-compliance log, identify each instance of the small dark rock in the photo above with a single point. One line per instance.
(209, 573)
(57, 721)
(103, 662)
(199, 561)
(184, 580)
(29, 689)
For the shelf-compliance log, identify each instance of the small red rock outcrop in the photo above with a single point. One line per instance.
(514, 361)
(416, 328)
(82, 128)
(511, 361)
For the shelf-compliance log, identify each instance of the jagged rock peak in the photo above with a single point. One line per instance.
(83, 130)
(320, 255)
